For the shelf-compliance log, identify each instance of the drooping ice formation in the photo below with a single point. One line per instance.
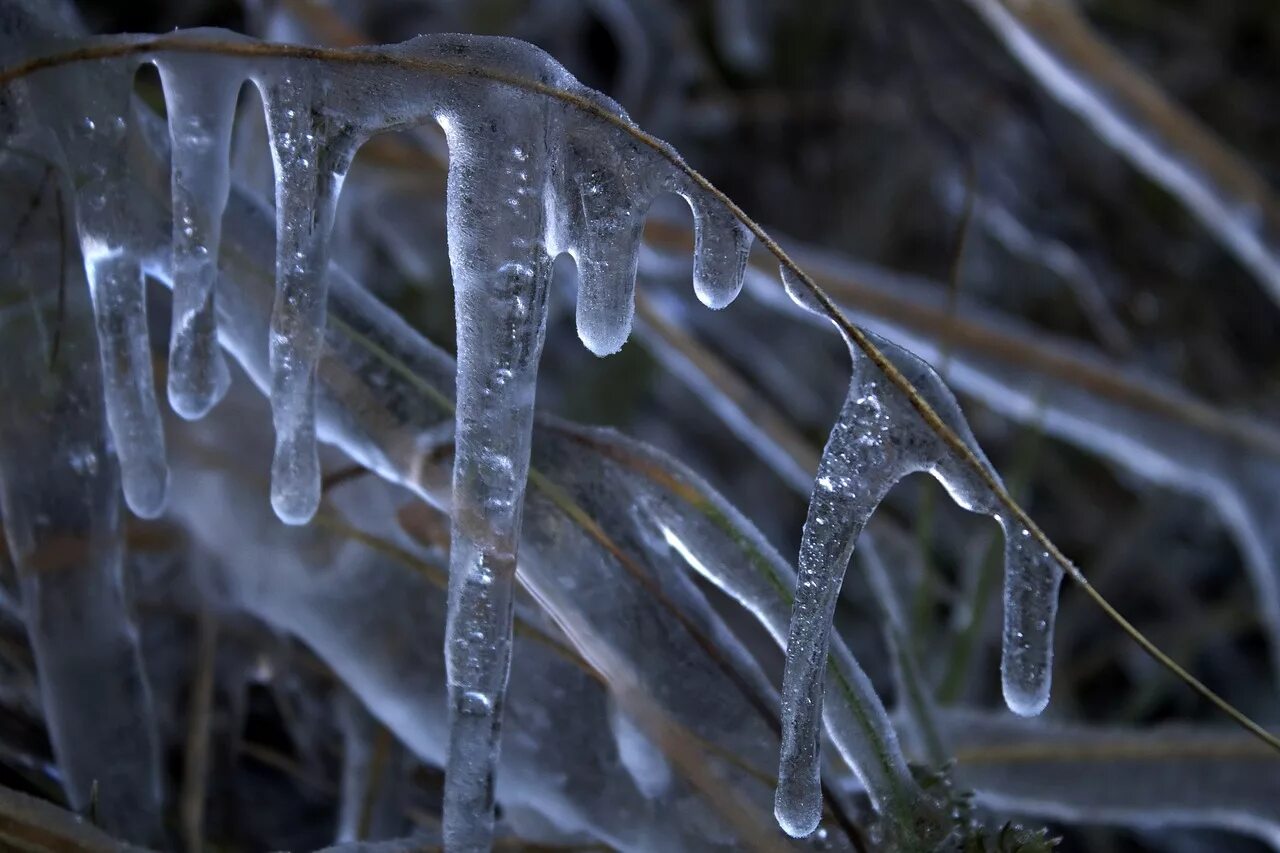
(90, 128)
(878, 439)
(529, 178)
(311, 160)
(1031, 586)
(201, 107)
(720, 247)
(539, 166)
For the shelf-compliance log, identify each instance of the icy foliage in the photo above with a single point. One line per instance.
(530, 177)
(639, 714)
(1052, 43)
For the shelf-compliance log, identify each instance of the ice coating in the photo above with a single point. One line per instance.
(855, 718)
(497, 230)
(539, 166)
(91, 129)
(201, 107)
(861, 462)
(1031, 584)
(878, 439)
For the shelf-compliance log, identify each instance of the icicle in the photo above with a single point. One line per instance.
(529, 178)
(311, 160)
(607, 254)
(90, 124)
(877, 440)
(497, 181)
(608, 185)
(1031, 586)
(860, 464)
(201, 100)
(720, 249)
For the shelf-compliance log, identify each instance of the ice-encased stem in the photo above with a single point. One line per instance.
(60, 501)
(201, 103)
(1031, 581)
(311, 162)
(501, 271)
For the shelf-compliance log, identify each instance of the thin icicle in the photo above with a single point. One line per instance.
(201, 103)
(723, 547)
(311, 160)
(877, 440)
(90, 125)
(1031, 586)
(859, 466)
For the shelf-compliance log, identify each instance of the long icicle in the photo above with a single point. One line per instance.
(311, 161)
(501, 272)
(91, 126)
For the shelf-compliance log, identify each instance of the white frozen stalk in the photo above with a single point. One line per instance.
(877, 440)
(1132, 115)
(311, 160)
(201, 104)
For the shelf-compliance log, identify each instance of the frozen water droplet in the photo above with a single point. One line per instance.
(721, 247)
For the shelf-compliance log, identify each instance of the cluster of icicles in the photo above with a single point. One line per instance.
(539, 166)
